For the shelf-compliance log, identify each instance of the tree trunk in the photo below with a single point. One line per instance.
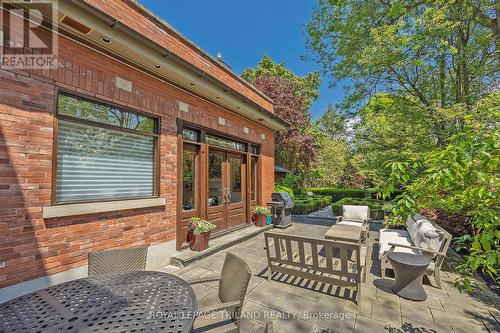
(442, 76)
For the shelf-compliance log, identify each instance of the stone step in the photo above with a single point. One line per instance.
(188, 257)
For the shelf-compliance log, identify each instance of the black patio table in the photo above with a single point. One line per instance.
(122, 302)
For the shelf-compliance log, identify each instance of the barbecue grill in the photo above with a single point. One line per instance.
(281, 206)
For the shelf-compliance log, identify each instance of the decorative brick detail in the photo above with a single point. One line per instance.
(184, 107)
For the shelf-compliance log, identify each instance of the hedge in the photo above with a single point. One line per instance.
(339, 193)
(376, 207)
(304, 205)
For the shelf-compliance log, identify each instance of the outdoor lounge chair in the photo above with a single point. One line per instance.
(117, 260)
(422, 237)
(357, 216)
(213, 311)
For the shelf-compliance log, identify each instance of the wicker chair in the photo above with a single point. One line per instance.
(221, 313)
(117, 260)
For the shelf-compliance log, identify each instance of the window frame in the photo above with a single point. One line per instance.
(64, 117)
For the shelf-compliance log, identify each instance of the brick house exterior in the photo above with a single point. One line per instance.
(39, 247)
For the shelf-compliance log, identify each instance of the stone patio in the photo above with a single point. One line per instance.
(303, 306)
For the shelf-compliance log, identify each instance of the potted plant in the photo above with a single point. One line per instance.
(199, 233)
(260, 215)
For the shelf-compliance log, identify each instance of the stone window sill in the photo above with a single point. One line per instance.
(99, 207)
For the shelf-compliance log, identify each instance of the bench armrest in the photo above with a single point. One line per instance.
(393, 246)
(230, 306)
(203, 279)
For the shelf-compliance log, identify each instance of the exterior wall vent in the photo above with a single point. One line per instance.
(74, 24)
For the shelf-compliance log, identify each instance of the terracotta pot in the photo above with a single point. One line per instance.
(260, 220)
(198, 242)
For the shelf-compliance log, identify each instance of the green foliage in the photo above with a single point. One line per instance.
(304, 204)
(332, 124)
(389, 128)
(259, 210)
(294, 182)
(283, 188)
(339, 193)
(306, 86)
(335, 166)
(377, 208)
(460, 177)
(430, 52)
(201, 226)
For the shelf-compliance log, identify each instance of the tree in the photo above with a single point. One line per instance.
(335, 167)
(333, 124)
(305, 86)
(296, 148)
(389, 128)
(429, 52)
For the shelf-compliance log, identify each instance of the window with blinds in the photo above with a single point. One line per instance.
(103, 153)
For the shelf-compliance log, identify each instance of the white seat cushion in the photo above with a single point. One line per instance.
(355, 213)
(395, 236)
(352, 223)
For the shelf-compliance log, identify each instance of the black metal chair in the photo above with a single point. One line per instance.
(117, 260)
(221, 313)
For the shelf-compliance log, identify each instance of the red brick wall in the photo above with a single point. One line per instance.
(134, 17)
(31, 246)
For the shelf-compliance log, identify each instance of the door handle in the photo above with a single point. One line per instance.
(228, 193)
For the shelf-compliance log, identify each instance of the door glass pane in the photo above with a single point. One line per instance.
(189, 177)
(254, 178)
(236, 179)
(214, 180)
(226, 143)
(190, 134)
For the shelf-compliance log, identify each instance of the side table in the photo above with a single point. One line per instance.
(409, 270)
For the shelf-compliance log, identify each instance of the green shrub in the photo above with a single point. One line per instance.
(376, 207)
(303, 207)
(283, 188)
(304, 204)
(339, 193)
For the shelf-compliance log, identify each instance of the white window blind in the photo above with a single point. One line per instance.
(95, 163)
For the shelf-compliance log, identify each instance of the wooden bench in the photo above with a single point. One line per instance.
(331, 262)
